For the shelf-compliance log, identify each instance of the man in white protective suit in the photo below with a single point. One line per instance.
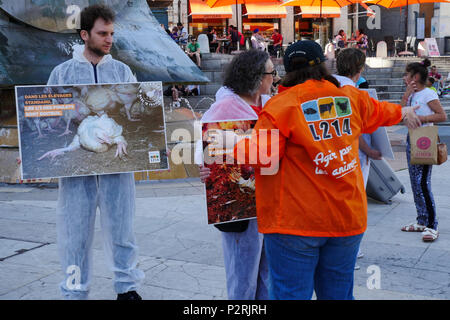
(114, 194)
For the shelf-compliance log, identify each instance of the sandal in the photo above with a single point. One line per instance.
(429, 235)
(413, 227)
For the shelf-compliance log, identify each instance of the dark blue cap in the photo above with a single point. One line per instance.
(308, 49)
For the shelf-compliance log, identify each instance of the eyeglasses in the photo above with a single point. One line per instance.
(273, 73)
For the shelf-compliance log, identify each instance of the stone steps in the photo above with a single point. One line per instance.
(439, 65)
(382, 75)
(386, 75)
(210, 89)
(444, 102)
(384, 70)
(391, 75)
(388, 87)
(216, 76)
(385, 81)
(405, 60)
(215, 62)
(390, 95)
(213, 67)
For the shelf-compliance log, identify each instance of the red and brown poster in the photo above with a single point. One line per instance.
(230, 188)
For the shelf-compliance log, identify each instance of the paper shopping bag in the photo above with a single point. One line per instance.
(423, 143)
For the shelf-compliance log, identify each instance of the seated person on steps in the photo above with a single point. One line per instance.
(193, 51)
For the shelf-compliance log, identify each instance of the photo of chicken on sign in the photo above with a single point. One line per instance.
(230, 189)
(79, 130)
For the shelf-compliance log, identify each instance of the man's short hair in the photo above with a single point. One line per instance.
(179, 24)
(350, 61)
(90, 14)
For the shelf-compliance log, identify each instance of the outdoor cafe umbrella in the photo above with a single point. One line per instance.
(222, 3)
(320, 4)
(401, 3)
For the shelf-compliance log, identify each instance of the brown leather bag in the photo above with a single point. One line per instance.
(441, 152)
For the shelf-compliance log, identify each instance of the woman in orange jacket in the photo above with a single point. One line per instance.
(311, 206)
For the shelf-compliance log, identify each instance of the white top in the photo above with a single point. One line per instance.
(344, 81)
(338, 38)
(79, 70)
(257, 43)
(186, 35)
(422, 98)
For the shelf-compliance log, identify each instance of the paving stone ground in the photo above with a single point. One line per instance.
(182, 256)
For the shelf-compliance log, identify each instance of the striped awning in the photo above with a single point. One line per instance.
(200, 10)
(265, 11)
(314, 12)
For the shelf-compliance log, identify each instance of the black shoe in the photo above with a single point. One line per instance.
(130, 295)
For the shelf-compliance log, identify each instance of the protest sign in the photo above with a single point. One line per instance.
(230, 188)
(79, 130)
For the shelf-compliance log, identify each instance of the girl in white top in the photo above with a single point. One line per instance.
(429, 112)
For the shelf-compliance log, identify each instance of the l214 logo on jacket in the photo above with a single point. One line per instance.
(323, 110)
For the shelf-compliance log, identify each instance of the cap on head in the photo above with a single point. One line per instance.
(256, 30)
(308, 49)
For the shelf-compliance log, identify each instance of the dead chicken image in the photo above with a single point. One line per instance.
(134, 99)
(138, 100)
(245, 185)
(78, 114)
(97, 134)
(98, 99)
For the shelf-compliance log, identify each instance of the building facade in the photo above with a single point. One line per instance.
(429, 20)
(292, 23)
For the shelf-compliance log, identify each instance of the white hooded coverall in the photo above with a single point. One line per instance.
(79, 197)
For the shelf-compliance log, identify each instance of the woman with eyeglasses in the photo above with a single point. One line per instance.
(246, 87)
